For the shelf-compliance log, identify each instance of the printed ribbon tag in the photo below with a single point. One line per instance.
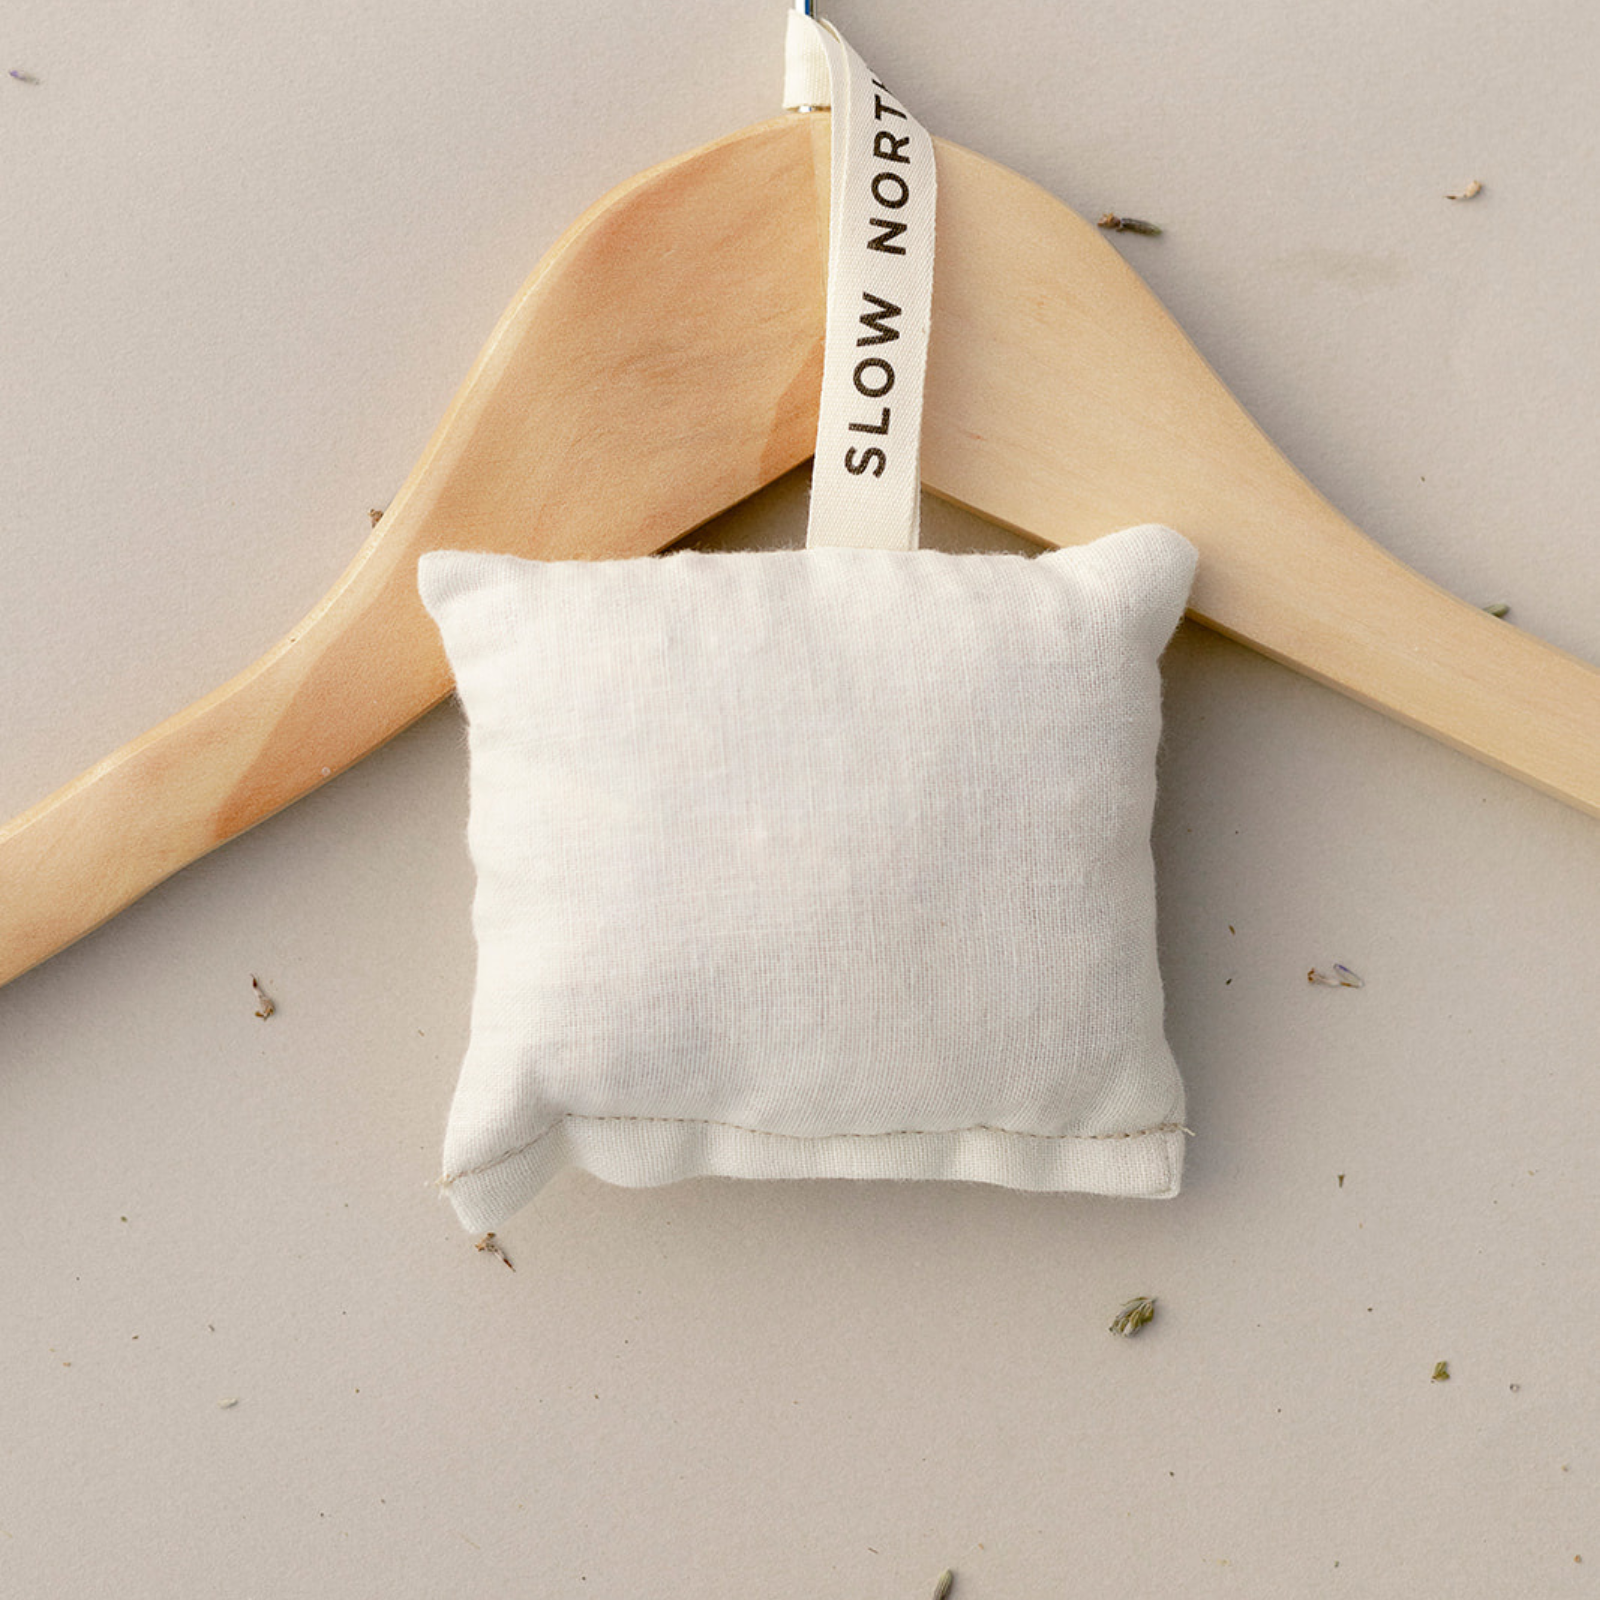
(866, 479)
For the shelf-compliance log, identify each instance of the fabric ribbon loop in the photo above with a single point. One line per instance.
(866, 479)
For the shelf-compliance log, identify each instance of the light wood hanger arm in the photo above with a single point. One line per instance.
(663, 363)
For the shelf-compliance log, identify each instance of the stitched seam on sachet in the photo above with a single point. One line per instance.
(768, 1133)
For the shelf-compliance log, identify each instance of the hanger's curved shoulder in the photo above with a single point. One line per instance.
(660, 365)
(1064, 401)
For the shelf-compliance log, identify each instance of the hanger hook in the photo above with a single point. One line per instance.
(805, 7)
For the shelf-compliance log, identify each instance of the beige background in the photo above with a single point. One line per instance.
(245, 256)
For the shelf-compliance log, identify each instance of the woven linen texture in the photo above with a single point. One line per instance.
(823, 863)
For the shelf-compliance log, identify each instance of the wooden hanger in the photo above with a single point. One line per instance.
(663, 363)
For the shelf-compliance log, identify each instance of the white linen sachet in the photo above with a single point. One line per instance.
(819, 863)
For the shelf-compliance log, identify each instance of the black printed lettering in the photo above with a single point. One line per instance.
(878, 321)
(884, 241)
(883, 109)
(865, 368)
(872, 427)
(858, 461)
(887, 184)
(888, 148)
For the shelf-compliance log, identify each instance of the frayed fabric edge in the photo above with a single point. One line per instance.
(642, 1152)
